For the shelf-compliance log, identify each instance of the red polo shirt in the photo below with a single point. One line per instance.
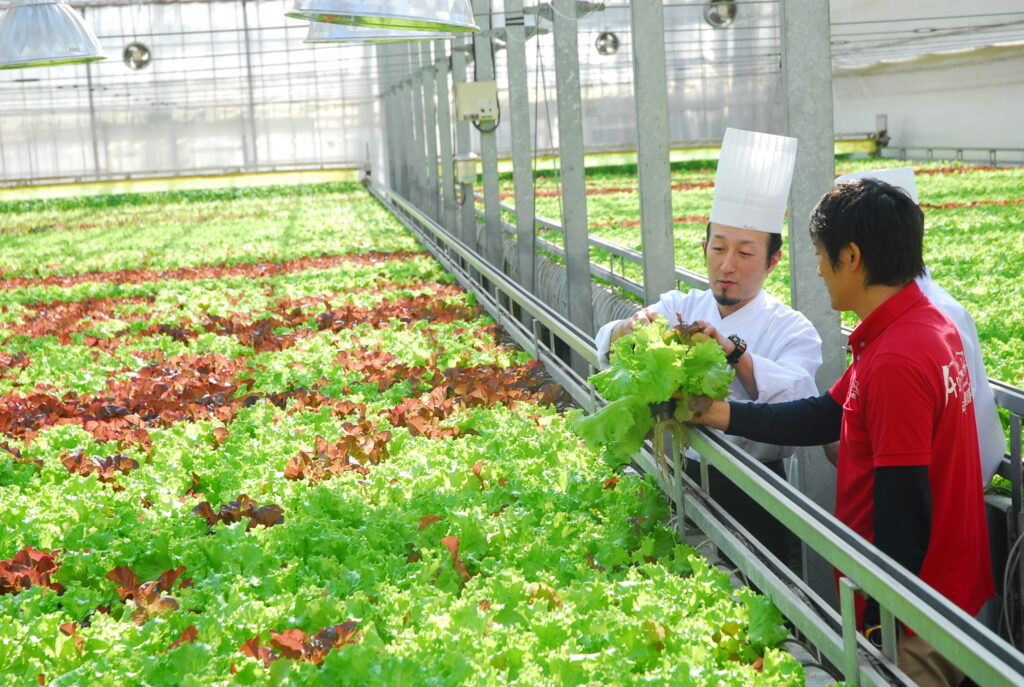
(907, 400)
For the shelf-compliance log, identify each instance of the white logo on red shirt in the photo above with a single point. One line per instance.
(957, 380)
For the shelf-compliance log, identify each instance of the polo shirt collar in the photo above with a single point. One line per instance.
(884, 315)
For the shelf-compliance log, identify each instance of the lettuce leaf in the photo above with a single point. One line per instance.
(619, 428)
(649, 366)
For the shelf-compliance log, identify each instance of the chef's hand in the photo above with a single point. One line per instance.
(643, 316)
(712, 332)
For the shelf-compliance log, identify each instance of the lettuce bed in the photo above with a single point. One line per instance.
(260, 435)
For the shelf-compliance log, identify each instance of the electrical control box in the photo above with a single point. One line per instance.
(476, 101)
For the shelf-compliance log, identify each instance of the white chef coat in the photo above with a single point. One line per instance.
(991, 440)
(783, 344)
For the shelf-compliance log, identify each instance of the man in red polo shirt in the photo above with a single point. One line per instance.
(903, 412)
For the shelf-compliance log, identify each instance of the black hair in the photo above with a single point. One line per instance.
(884, 222)
(774, 244)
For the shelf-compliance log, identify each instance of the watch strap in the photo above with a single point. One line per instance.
(737, 353)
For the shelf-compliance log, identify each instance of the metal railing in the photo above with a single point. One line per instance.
(979, 652)
(979, 155)
(359, 166)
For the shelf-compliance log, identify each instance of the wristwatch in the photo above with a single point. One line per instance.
(737, 353)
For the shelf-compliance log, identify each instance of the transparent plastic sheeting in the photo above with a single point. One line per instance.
(230, 87)
(945, 75)
(868, 33)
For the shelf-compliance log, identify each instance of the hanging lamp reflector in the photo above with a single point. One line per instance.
(448, 16)
(320, 32)
(45, 33)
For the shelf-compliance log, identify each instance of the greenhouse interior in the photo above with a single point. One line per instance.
(533, 342)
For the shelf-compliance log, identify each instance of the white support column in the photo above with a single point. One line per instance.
(394, 152)
(653, 169)
(522, 146)
(420, 193)
(399, 66)
(807, 81)
(386, 97)
(398, 156)
(467, 225)
(483, 52)
(433, 182)
(405, 100)
(444, 129)
(570, 143)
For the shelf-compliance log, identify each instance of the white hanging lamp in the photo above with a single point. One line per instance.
(45, 33)
(449, 16)
(320, 32)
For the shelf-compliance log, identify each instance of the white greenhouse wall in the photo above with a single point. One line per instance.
(971, 100)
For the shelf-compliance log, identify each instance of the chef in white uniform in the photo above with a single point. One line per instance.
(774, 349)
(991, 439)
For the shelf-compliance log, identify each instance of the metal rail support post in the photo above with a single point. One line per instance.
(522, 158)
(653, 169)
(851, 668)
(93, 123)
(570, 143)
(420, 193)
(1015, 595)
(397, 121)
(397, 67)
(444, 130)
(467, 227)
(433, 206)
(391, 151)
(387, 114)
(405, 105)
(483, 69)
(807, 79)
(249, 148)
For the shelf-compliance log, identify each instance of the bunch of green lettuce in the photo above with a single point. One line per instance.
(652, 365)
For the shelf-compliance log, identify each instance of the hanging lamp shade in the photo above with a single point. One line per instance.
(45, 33)
(320, 32)
(449, 16)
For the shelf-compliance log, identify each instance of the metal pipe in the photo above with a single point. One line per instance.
(851, 668)
(483, 70)
(652, 158)
(430, 129)
(249, 149)
(570, 137)
(519, 104)
(442, 66)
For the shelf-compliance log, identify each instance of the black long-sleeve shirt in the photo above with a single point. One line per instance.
(902, 512)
